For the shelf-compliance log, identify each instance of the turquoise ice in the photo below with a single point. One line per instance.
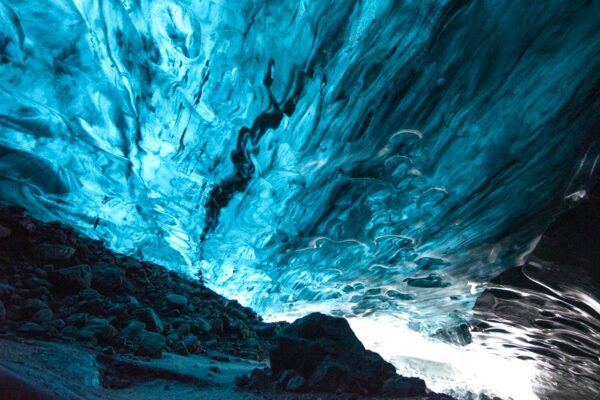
(354, 157)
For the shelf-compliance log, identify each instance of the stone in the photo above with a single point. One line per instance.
(94, 306)
(78, 319)
(35, 282)
(4, 232)
(191, 342)
(200, 326)
(73, 278)
(400, 386)
(31, 328)
(86, 334)
(34, 304)
(260, 379)
(327, 354)
(183, 329)
(133, 329)
(14, 312)
(152, 320)
(99, 331)
(107, 278)
(176, 300)
(88, 294)
(295, 384)
(70, 331)
(35, 293)
(59, 324)
(6, 291)
(55, 252)
(43, 315)
(150, 344)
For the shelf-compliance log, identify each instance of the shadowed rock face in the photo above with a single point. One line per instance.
(320, 353)
(58, 285)
(327, 354)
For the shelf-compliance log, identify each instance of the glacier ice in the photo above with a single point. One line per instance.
(384, 157)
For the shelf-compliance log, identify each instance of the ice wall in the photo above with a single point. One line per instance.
(355, 157)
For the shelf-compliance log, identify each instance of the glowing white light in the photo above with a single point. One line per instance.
(444, 367)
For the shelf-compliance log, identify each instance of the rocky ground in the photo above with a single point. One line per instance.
(68, 305)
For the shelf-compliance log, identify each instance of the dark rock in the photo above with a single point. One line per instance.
(295, 384)
(6, 290)
(88, 294)
(14, 312)
(58, 324)
(101, 331)
(153, 322)
(55, 252)
(32, 305)
(329, 356)
(260, 379)
(78, 319)
(70, 331)
(86, 334)
(150, 344)
(191, 343)
(132, 330)
(32, 329)
(36, 293)
(73, 278)
(43, 315)
(200, 326)
(399, 386)
(2, 312)
(458, 334)
(268, 330)
(178, 301)
(183, 329)
(4, 232)
(95, 306)
(34, 282)
(107, 278)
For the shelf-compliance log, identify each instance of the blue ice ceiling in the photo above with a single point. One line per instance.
(353, 157)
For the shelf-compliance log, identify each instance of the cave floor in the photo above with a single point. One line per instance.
(32, 369)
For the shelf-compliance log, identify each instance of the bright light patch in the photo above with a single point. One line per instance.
(447, 368)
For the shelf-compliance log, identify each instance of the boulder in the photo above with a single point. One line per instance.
(4, 232)
(133, 329)
(99, 330)
(400, 386)
(108, 278)
(6, 291)
(150, 344)
(72, 278)
(88, 294)
(31, 329)
(43, 315)
(151, 319)
(55, 252)
(177, 301)
(326, 353)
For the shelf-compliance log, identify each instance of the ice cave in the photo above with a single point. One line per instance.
(425, 170)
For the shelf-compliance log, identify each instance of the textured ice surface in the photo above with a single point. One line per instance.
(352, 157)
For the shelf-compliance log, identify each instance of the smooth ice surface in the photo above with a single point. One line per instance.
(383, 157)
